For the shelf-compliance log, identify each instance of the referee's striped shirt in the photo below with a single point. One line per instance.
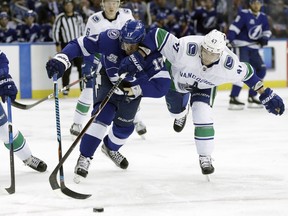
(67, 28)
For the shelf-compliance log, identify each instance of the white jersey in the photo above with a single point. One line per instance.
(187, 68)
(98, 23)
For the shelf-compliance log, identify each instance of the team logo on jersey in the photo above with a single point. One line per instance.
(255, 32)
(113, 34)
(176, 47)
(229, 62)
(192, 49)
(112, 58)
(96, 18)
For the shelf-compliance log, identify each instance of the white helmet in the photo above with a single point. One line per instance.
(214, 41)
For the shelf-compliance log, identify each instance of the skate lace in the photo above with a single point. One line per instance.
(84, 162)
(116, 156)
(32, 162)
(205, 161)
(180, 122)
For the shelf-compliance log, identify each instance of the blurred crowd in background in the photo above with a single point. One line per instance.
(32, 20)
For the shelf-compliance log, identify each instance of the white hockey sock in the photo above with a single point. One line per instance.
(83, 105)
(21, 148)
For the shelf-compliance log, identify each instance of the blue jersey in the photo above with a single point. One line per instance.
(4, 68)
(205, 20)
(27, 33)
(154, 80)
(8, 35)
(248, 28)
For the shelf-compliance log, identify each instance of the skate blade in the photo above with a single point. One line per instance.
(208, 178)
(255, 106)
(77, 179)
(236, 107)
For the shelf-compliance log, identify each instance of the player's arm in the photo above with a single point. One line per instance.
(153, 82)
(83, 46)
(7, 85)
(272, 102)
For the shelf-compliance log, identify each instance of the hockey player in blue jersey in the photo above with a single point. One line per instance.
(247, 34)
(147, 78)
(207, 18)
(20, 145)
(7, 34)
(29, 31)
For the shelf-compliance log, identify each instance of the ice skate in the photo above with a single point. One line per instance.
(81, 168)
(116, 157)
(253, 102)
(36, 164)
(75, 129)
(140, 128)
(235, 104)
(179, 124)
(206, 164)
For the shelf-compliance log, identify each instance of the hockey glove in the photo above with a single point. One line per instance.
(263, 41)
(129, 90)
(57, 65)
(132, 64)
(272, 102)
(7, 88)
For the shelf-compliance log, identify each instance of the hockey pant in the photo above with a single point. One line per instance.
(201, 101)
(118, 111)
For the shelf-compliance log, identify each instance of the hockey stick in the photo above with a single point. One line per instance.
(11, 189)
(63, 188)
(29, 106)
(229, 45)
(53, 177)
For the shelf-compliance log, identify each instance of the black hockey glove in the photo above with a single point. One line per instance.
(263, 41)
(7, 88)
(272, 102)
(131, 91)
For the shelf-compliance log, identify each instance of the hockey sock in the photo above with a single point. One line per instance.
(83, 105)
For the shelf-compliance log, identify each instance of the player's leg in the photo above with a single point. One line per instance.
(204, 126)
(260, 70)
(95, 133)
(177, 104)
(140, 127)
(20, 145)
(234, 102)
(92, 139)
(120, 131)
(66, 80)
(86, 97)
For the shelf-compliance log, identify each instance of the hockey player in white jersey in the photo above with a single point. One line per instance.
(197, 65)
(112, 17)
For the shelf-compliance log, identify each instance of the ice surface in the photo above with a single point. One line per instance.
(163, 178)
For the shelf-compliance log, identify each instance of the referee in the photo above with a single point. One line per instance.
(68, 25)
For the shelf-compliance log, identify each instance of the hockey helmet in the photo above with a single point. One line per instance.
(132, 32)
(214, 41)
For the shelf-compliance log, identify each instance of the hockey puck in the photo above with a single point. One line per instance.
(98, 209)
